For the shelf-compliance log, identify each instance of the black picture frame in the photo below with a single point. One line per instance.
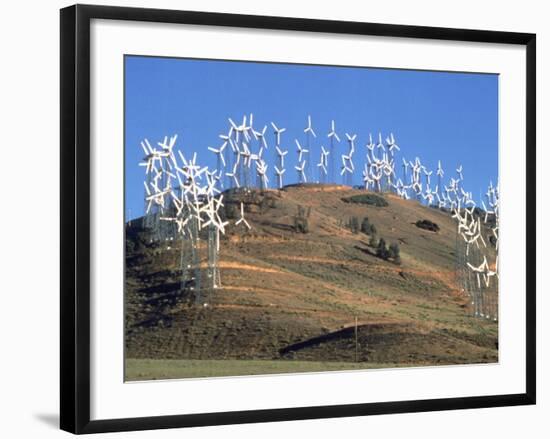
(75, 217)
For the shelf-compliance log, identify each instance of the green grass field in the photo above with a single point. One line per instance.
(139, 369)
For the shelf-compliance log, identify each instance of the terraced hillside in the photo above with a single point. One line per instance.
(292, 296)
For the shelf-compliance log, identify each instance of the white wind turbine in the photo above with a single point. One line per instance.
(322, 165)
(332, 135)
(233, 175)
(309, 128)
(367, 180)
(459, 173)
(351, 140)
(280, 170)
(349, 157)
(391, 144)
(439, 174)
(324, 159)
(262, 172)
(428, 175)
(260, 137)
(277, 131)
(309, 132)
(242, 219)
(380, 144)
(301, 150)
(301, 172)
(346, 170)
(281, 154)
(219, 156)
(405, 167)
(279, 173)
(370, 147)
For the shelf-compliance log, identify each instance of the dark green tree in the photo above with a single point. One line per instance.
(394, 252)
(354, 224)
(366, 226)
(301, 220)
(382, 249)
(373, 241)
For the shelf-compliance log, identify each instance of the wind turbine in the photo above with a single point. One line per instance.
(281, 155)
(309, 132)
(277, 131)
(405, 166)
(380, 144)
(233, 175)
(349, 174)
(219, 155)
(301, 172)
(309, 128)
(439, 174)
(332, 136)
(459, 173)
(301, 150)
(262, 172)
(279, 173)
(351, 140)
(260, 137)
(242, 219)
(346, 170)
(324, 163)
(391, 144)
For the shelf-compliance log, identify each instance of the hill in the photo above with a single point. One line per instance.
(292, 296)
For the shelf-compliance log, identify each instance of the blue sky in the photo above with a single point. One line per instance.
(433, 115)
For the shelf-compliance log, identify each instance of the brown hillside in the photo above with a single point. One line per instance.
(290, 295)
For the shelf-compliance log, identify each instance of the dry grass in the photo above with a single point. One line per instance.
(281, 287)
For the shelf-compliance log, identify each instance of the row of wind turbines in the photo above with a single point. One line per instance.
(190, 196)
(186, 197)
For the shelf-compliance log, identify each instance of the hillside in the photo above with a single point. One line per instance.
(287, 295)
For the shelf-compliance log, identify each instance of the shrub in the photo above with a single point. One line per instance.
(370, 199)
(301, 225)
(394, 252)
(427, 225)
(353, 224)
(367, 228)
(373, 242)
(301, 220)
(382, 250)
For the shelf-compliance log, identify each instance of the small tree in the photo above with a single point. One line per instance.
(394, 252)
(373, 241)
(366, 226)
(301, 220)
(354, 224)
(382, 250)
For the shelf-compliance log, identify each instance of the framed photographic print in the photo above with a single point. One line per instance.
(304, 218)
